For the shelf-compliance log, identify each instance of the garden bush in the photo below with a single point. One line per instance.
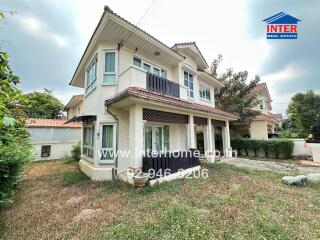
(281, 148)
(76, 152)
(13, 157)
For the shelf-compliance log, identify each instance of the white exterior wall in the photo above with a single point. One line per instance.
(128, 76)
(61, 141)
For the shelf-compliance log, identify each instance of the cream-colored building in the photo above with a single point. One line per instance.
(141, 95)
(75, 106)
(264, 123)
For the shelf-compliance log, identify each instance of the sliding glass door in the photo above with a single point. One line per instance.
(156, 138)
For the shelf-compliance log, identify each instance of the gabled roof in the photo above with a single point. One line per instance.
(119, 31)
(50, 123)
(265, 117)
(277, 116)
(74, 101)
(194, 51)
(153, 96)
(281, 18)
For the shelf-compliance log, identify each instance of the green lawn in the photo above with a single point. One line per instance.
(233, 203)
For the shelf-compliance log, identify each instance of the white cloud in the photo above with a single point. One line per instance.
(39, 29)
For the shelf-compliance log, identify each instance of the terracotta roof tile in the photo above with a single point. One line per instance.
(266, 117)
(51, 123)
(143, 93)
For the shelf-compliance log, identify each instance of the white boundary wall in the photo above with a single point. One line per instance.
(61, 141)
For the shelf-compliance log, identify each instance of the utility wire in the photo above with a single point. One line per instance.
(130, 35)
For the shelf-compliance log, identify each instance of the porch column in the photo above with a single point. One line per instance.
(209, 151)
(191, 133)
(135, 136)
(226, 141)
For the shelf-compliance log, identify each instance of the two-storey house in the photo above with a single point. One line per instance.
(264, 123)
(141, 95)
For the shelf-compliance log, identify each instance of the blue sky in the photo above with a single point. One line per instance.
(46, 38)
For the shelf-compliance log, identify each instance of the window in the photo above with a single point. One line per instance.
(188, 82)
(149, 68)
(45, 151)
(156, 71)
(164, 73)
(110, 67)
(261, 104)
(136, 62)
(156, 138)
(204, 93)
(108, 141)
(88, 140)
(91, 75)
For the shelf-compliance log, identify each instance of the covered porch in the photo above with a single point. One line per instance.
(149, 126)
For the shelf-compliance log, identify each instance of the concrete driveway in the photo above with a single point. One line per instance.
(285, 168)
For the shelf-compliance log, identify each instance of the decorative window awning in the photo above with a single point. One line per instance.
(165, 117)
(83, 118)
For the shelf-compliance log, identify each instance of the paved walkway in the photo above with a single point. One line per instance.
(275, 166)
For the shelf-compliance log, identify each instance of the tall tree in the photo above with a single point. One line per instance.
(304, 111)
(236, 94)
(15, 147)
(43, 105)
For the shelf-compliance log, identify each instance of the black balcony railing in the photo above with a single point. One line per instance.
(162, 85)
(172, 162)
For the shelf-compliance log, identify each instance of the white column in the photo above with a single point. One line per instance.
(227, 144)
(135, 136)
(209, 151)
(191, 133)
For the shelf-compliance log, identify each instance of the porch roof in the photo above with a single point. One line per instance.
(177, 102)
(265, 117)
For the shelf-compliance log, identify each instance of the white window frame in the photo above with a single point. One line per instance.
(87, 89)
(114, 143)
(153, 126)
(152, 66)
(115, 67)
(201, 85)
(88, 147)
(263, 104)
(193, 83)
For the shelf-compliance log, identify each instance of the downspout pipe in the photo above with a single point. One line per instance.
(115, 169)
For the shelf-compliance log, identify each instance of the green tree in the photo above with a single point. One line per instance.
(304, 111)
(43, 105)
(15, 147)
(236, 94)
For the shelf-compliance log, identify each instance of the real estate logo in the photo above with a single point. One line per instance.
(282, 26)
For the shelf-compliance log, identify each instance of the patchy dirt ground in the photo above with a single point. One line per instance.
(55, 201)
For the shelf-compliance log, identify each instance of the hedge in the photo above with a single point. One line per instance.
(281, 148)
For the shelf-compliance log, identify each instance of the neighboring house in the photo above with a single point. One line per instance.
(141, 95)
(74, 106)
(52, 138)
(279, 117)
(262, 124)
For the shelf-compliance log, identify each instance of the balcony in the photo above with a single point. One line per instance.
(161, 85)
(137, 77)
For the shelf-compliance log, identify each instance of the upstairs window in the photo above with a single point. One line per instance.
(149, 68)
(91, 75)
(261, 104)
(110, 67)
(136, 62)
(188, 82)
(204, 93)
(164, 73)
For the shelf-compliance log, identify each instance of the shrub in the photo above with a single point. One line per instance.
(76, 152)
(282, 148)
(13, 157)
